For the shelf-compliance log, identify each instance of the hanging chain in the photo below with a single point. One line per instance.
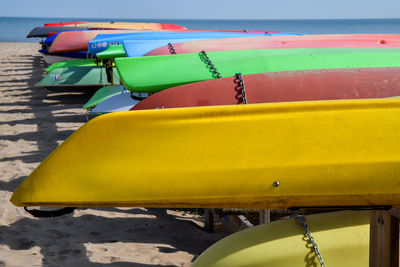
(240, 86)
(171, 48)
(101, 75)
(308, 233)
(109, 70)
(204, 57)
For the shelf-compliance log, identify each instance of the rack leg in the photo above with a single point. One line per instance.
(265, 216)
(384, 240)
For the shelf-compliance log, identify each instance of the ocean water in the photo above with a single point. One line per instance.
(13, 29)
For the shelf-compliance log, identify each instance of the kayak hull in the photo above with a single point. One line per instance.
(113, 51)
(284, 42)
(73, 41)
(103, 94)
(326, 84)
(340, 236)
(137, 74)
(89, 62)
(116, 103)
(274, 155)
(82, 76)
(101, 42)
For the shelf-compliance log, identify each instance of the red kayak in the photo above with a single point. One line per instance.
(304, 85)
(59, 24)
(281, 42)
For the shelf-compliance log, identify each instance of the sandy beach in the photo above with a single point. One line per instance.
(33, 122)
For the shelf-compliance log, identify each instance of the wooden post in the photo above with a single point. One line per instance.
(209, 220)
(265, 216)
(384, 240)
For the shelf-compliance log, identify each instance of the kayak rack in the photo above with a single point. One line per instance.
(384, 238)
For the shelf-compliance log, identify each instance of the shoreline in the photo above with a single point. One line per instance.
(33, 122)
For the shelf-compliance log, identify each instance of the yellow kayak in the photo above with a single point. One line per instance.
(276, 155)
(342, 239)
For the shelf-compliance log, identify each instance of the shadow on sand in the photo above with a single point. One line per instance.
(67, 237)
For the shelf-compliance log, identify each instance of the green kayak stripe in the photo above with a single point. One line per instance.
(113, 51)
(155, 73)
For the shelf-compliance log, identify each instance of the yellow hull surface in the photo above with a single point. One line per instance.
(276, 155)
(342, 239)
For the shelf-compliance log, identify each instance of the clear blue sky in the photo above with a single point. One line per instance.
(205, 9)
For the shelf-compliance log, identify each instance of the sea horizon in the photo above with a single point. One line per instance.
(15, 29)
(130, 19)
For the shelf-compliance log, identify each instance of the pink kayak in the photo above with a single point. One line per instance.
(281, 42)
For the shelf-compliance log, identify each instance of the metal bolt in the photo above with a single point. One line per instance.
(276, 184)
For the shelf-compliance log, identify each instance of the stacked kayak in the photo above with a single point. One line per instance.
(47, 29)
(341, 236)
(102, 94)
(79, 76)
(74, 37)
(283, 42)
(138, 47)
(158, 39)
(112, 51)
(82, 77)
(72, 41)
(285, 86)
(297, 154)
(137, 74)
(321, 41)
(131, 48)
(89, 62)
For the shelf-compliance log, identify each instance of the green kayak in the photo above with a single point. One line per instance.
(72, 63)
(77, 77)
(113, 51)
(155, 73)
(102, 94)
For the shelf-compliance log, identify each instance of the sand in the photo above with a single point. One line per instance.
(33, 122)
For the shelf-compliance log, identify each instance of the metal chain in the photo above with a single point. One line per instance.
(302, 221)
(109, 70)
(241, 87)
(101, 75)
(212, 67)
(171, 49)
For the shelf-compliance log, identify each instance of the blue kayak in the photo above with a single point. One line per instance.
(138, 48)
(50, 39)
(80, 54)
(101, 42)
